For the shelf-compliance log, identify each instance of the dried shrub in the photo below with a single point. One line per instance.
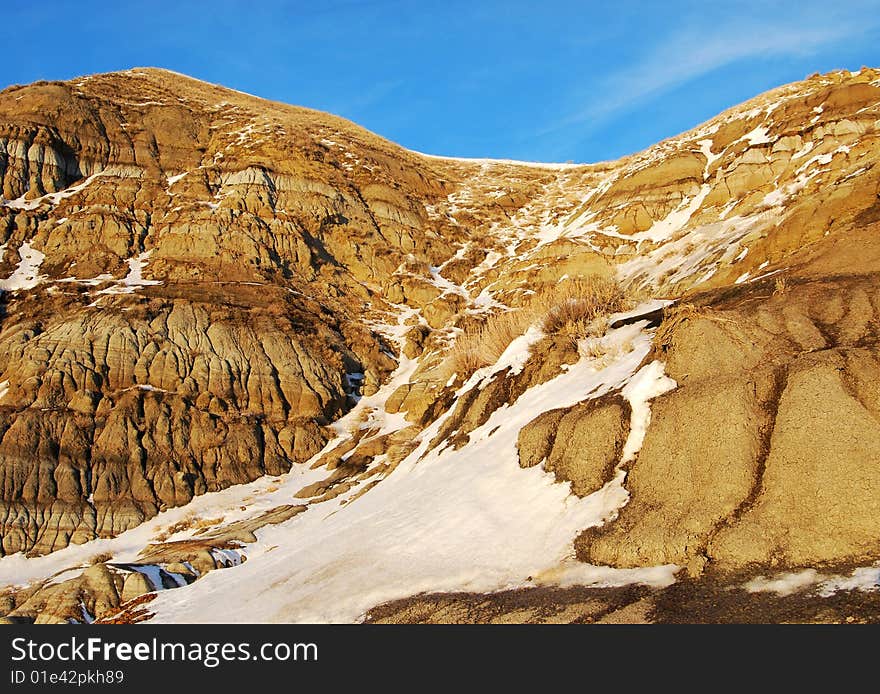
(483, 344)
(602, 353)
(576, 308)
(188, 523)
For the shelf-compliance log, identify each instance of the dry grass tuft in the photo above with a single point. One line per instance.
(188, 523)
(601, 353)
(574, 308)
(592, 349)
(483, 344)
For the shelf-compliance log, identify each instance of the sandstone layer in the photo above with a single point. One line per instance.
(198, 284)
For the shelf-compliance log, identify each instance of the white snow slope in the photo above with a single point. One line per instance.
(444, 520)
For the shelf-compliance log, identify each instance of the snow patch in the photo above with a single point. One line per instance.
(706, 149)
(663, 229)
(866, 578)
(22, 203)
(708, 275)
(574, 573)
(514, 358)
(774, 198)
(26, 274)
(785, 583)
(758, 136)
(92, 281)
(134, 279)
(647, 384)
(468, 519)
(804, 151)
(696, 251)
(508, 162)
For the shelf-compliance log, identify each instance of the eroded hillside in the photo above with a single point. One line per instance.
(242, 334)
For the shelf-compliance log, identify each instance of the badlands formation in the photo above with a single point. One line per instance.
(368, 383)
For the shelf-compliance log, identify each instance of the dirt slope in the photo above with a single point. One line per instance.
(201, 284)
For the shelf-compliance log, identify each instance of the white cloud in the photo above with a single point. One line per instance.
(689, 54)
(369, 96)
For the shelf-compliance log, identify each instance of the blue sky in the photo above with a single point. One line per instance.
(551, 80)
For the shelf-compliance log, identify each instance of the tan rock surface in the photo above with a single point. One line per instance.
(197, 283)
(819, 500)
(703, 437)
(581, 445)
(765, 453)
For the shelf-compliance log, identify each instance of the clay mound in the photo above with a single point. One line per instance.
(767, 452)
(197, 284)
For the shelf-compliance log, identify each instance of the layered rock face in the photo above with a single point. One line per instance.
(193, 303)
(200, 283)
(767, 451)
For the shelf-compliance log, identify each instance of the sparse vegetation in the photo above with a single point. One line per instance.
(483, 344)
(592, 349)
(574, 308)
(602, 353)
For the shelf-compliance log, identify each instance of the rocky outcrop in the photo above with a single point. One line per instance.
(112, 592)
(112, 417)
(818, 501)
(581, 445)
(201, 280)
(766, 452)
(197, 284)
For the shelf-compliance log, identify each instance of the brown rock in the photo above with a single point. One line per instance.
(588, 443)
(820, 493)
(135, 585)
(670, 515)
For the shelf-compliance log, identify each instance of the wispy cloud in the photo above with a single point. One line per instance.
(366, 98)
(688, 55)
